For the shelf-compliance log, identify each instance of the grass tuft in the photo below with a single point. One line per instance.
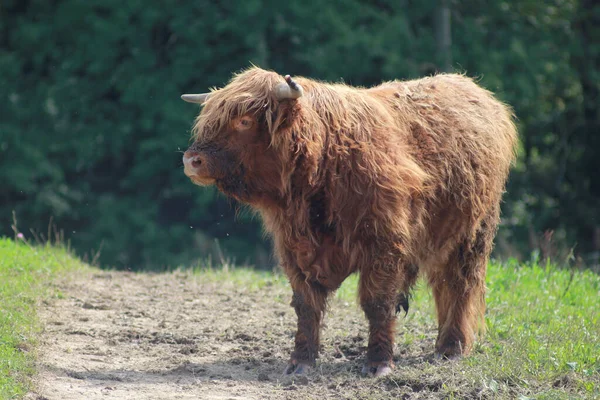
(24, 275)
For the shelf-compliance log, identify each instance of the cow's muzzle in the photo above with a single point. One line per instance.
(195, 167)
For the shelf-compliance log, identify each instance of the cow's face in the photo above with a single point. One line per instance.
(230, 158)
(240, 136)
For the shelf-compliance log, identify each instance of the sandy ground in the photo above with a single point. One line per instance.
(119, 335)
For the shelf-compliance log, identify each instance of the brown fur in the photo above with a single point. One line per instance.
(393, 181)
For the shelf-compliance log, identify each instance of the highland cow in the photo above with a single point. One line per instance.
(393, 182)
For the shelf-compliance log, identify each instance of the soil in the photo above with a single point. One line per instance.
(122, 335)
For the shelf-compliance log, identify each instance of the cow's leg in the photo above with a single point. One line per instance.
(459, 292)
(382, 291)
(309, 301)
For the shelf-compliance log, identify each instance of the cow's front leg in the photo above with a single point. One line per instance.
(379, 310)
(382, 290)
(309, 301)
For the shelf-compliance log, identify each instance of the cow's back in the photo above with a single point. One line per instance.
(463, 138)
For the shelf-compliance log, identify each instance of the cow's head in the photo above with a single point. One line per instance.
(247, 138)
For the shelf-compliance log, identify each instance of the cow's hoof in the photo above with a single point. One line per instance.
(377, 369)
(441, 356)
(452, 347)
(296, 368)
(452, 350)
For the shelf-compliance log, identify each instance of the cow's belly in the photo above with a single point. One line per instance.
(329, 265)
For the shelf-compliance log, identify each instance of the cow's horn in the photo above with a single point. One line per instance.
(288, 90)
(199, 98)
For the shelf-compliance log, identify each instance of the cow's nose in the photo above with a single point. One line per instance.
(192, 159)
(192, 162)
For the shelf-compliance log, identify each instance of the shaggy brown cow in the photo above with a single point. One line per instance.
(393, 181)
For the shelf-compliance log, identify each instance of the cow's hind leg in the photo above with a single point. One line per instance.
(309, 302)
(382, 292)
(459, 292)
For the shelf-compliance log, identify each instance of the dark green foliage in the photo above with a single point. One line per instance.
(92, 127)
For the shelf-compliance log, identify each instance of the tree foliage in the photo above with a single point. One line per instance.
(92, 127)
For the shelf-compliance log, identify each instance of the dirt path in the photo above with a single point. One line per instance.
(119, 335)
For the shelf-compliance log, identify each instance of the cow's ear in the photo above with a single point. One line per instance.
(284, 104)
(300, 132)
(283, 116)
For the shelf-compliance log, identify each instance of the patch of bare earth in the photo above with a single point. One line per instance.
(119, 335)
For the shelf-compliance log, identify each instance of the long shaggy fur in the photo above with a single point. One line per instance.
(392, 181)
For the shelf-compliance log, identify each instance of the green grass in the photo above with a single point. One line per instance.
(25, 273)
(543, 323)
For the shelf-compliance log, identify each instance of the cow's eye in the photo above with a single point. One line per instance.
(245, 123)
